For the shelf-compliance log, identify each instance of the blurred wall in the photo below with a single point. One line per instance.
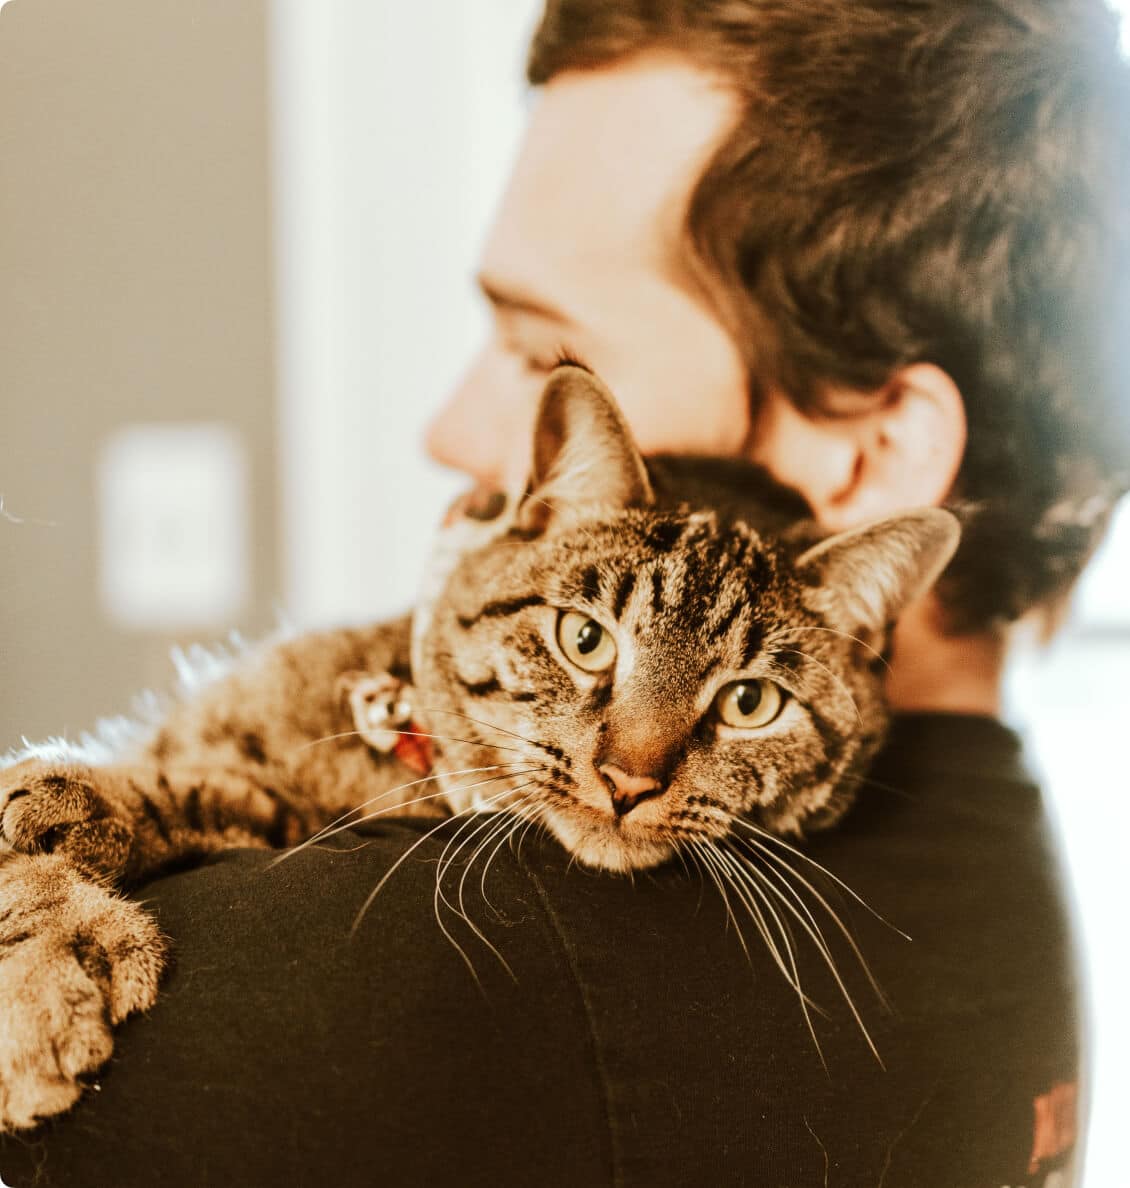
(145, 190)
(394, 125)
(135, 286)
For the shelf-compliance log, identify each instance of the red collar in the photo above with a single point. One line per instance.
(414, 750)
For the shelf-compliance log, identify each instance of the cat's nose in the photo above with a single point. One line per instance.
(627, 790)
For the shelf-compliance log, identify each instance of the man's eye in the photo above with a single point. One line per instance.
(541, 364)
(535, 366)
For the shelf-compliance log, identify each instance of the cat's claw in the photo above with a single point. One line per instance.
(56, 808)
(74, 960)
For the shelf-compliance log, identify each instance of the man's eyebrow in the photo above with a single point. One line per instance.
(510, 300)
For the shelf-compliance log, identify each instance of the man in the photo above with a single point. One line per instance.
(879, 247)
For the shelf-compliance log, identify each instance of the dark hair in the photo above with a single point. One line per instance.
(942, 181)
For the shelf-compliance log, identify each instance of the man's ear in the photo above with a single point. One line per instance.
(908, 450)
(863, 579)
(584, 457)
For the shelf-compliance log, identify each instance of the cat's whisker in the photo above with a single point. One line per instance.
(443, 823)
(503, 826)
(771, 876)
(343, 819)
(780, 841)
(439, 900)
(442, 792)
(376, 814)
(536, 821)
(679, 847)
(865, 781)
(432, 709)
(411, 734)
(721, 876)
(743, 869)
(820, 664)
(699, 851)
(747, 885)
(552, 505)
(446, 821)
(314, 742)
(774, 877)
(785, 868)
(684, 849)
(471, 742)
(718, 856)
(387, 811)
(745, 889)
(490, 821)
(843, 634)
(526, 818)
(444, 864)
(392, 809)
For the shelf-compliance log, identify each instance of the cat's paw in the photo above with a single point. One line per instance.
(56, 808)
(74, 960)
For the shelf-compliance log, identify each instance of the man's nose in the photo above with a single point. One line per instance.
(456, 437)
(484, 427)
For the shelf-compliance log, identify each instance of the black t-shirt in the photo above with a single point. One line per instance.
(628, 1039)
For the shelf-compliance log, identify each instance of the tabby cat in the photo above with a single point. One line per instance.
(618, 656)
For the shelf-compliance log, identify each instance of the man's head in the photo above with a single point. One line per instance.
(881, 246)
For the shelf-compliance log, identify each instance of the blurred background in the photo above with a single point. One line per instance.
(237, 243)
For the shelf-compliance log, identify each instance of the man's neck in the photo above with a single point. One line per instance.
(933, 671)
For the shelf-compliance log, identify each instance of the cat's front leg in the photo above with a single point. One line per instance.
(57, 807)
(75, 959)
(122, 823)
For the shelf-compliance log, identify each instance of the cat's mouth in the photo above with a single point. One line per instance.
(597, 838)
(608, 842)
(586, 818)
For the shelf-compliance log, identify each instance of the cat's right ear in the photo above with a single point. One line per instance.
(584, 458)
(862, 580)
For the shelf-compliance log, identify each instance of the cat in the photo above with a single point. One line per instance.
(617, 655)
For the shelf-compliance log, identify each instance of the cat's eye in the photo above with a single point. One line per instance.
(585, 642)
(749, 704)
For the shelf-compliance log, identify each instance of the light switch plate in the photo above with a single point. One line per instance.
(173, 516)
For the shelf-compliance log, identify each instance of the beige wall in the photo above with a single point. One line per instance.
(135, 281)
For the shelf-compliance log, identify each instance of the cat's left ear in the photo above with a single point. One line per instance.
(863, 579)
(584, 458)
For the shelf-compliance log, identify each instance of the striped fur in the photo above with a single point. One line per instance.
(265, 750)
(695, 598)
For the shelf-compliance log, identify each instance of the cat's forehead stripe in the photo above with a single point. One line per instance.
(754, 642)
(657, 589)
(710, 668)
(663, 536)
(715, 569)
(624, 590)
(590, 584)
(720, 628)
(501, 607)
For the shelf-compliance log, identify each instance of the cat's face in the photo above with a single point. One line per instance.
(649, 675)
